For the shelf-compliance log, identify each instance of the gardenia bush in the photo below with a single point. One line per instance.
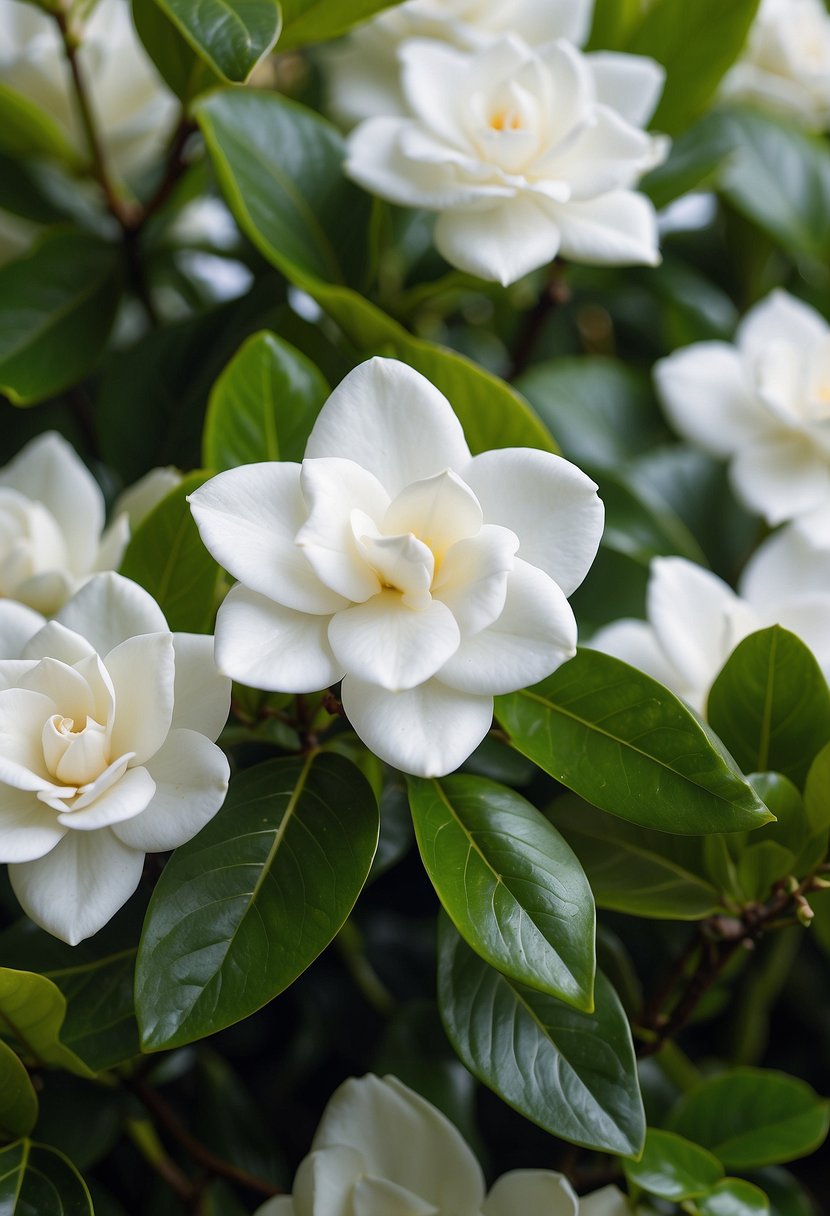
(414, 608)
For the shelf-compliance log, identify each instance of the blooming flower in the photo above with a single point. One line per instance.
(51, 521)
(695, 620)
(524, 153)
(362, 71)
(382, 1148)
(763, 404)
(786, 62)
(107, 722)
(424, 578)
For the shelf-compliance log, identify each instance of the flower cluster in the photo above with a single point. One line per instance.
(381, 1147)
(424, 578)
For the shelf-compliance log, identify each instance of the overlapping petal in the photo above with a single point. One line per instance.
(706, 396)
(387, 644)
(531, 1191)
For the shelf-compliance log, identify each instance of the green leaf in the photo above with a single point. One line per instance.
(263, 406)
(100, 1026)
(771, 705)
(733, 1197)
(629, 746)
(696, 43)
(750, 1116)
(32, 1012)
(18, 1100)
(694, 161)
(183, 70)
(26, 130)
(166, 556)
(57, 306)
(242, 909)
(308, 21)
(817, 792)
(231, 35)
(572, 1073)
(511, 885)
(673, 1168)
(40, 1181)
(614, 21)
(634, 870)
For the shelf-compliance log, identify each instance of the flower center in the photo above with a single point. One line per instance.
(75, 755)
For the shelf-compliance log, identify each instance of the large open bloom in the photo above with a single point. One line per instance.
(51, 525)
(525, 153)
(763, 404)
(695, 620)
(382, 1148)
(424, 578)
(107, 723)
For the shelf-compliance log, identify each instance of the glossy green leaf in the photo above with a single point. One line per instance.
(57, 306)
(634, 870)
(673, 1168)
(32, 1012)
(242, 909)
(817, 792)
(694, 162)
(100, 1026)
(231, 35)
(18, 1100)
(733, 1197)
(26, 130)
(614, 21)
(166, 556)
(629, 746)
(696, 43)
(511, 885)
(187, 73)
(308, 21)
(572, 1073)
(40, 1181)
(771, 705)
(263, 406)
(750, 1117)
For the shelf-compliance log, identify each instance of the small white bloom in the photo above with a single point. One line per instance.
(426, 579)
(139, 499)
(695, 620)
(362, 71)
(107, 723)
(382, 1148)
(762, 403)
(524, 153)
(786, 62)
(51, 522)
(132, 105)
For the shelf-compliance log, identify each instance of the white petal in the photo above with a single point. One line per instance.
(325, 1181)
(28, 829)
(806, 616)
(280, 1205)
(788, 563)
(201, 694)
(94, 789)
(263, 645)
(139, 499)
(248, 519)
(404, 1139)
(431, 73)
(333, 489)
(635, 642)
(55, 641)
(113, 544)
(384, 642)
(23, 714)
(548, 502)
(707, 398)
(472, 581)
(779, 317)
(503, 242)
(617, 229)
(439, 511)
(110, 608)
(76, 888)
(539, 20)
(531, 1192)
(18, 624)
(608, 1201)
(191, 779)
(46, 592)
(142, 670)
(380, 1197)
(781, 478)
(428, 730)
(629, 84)
(65, 686)
(402, 562)
(390, 419)
(122, 800)
(534, 635)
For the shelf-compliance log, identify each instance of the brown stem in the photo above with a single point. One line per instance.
(175, 168)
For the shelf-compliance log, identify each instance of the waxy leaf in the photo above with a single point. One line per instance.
(242, 909)
(750, 1117)
(18, 1100)
(573, 1073)
(187, 73)
(629, 746)
(733, 1197)
(263, 406)
(511, 885)
(40, 1181)
(771, 704)
(231, 35)
(307, 21)
(26, 130)
(32, 1013)
(673, 1168)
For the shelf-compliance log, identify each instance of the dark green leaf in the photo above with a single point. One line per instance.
(572, 1073)
(673, 1168)
(39, 1181)
(307, 21)
(511, 885)
(231, 35)
(629, 746)
(32, 1012)
(185, 72)
(817, 792)
(26, 130)
(614, 21)
(694, 161)
(733, 1197)
(18, 1100)
(242, 909)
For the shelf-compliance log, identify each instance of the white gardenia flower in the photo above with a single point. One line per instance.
(382, 1148)
(786, 62)
(51, 525)
(424, 578)
(132, 105)
(362, 71)
(695, 620)
(107, 729)
(762, 403)
(525, 153)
